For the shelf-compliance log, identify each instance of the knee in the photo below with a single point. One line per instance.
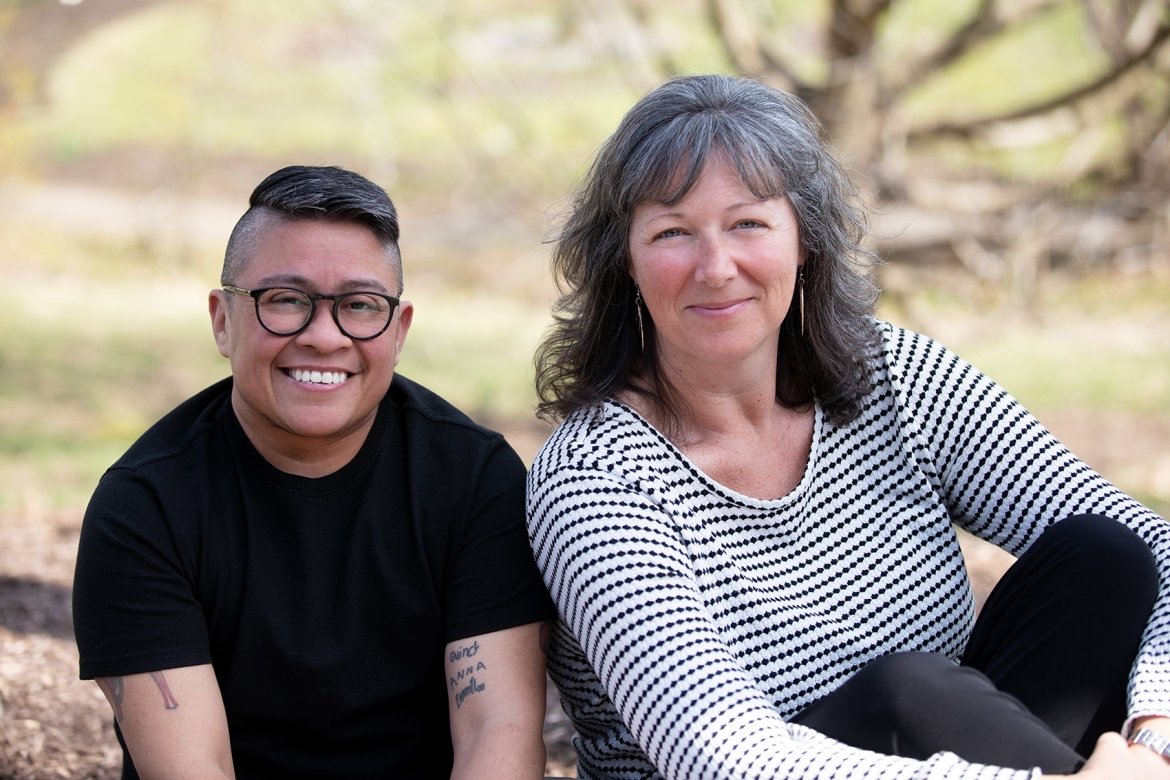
(1109, 554)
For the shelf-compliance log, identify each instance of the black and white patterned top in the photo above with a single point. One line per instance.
(701, 618)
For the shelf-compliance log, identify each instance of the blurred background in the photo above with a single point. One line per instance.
(1017, 154)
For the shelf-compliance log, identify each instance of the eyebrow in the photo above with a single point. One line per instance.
(293, 280)
(676, 214)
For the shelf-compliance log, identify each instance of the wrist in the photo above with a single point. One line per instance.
(1153, 741)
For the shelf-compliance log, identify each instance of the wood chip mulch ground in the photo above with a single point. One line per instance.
(53, 725)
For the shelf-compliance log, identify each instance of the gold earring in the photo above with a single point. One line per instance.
(638, 317)
(800, 288)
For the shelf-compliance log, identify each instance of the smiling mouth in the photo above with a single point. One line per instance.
(318, 377)
(718, 305)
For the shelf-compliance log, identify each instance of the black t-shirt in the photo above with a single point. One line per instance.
(324, 604)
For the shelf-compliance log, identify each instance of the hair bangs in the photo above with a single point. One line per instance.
(756, 161)
(669, 161)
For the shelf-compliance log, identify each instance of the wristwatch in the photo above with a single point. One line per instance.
(1152, 740)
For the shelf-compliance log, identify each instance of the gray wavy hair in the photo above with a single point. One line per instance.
(593, 350)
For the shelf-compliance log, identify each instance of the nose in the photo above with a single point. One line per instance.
(323, 333)
(715, 266)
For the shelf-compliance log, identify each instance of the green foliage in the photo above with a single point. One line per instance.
(74, 391)
(1098, 344)
(476, 352)
(401, 89)
(1030, 61)
(478, 117)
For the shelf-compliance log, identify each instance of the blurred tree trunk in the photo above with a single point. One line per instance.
(34, 33)
(1105, 129)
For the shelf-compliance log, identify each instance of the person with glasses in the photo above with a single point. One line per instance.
(746, 515)
(315, 567)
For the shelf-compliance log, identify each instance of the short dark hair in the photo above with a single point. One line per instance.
(656, 155)
(299, 192)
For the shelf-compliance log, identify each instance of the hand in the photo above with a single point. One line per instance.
(1113, 759)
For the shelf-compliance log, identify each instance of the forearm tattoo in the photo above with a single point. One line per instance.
(467, 680)
(115, 690)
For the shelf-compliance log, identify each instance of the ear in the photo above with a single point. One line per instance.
(405, 315)
(217, 307)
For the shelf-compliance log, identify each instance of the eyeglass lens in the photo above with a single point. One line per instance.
(359, 315)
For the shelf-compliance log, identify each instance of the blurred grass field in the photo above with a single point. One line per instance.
(478, 123)
(90, 359)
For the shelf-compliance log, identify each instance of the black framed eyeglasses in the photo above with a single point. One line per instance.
(286, 311)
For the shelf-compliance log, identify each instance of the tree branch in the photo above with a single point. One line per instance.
(746, 53)
(970, 127)
(663, 61)
(983, 25)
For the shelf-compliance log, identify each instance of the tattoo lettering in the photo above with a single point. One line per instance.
(115, 690)
(465, 682)
(465, 651)
(169, 700)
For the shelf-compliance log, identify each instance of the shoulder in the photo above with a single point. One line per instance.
(429, 421)
(909, 358)
(158, 487)
(609, 437)
(899, 344)
(180, 430)
(426, 407)
(916, 362)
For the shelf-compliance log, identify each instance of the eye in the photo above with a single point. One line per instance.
(289, 299)
(668, 233)
(363, 303)
(749, 224)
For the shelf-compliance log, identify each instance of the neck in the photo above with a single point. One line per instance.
(310, 460)
(724, 401)
(304, 456)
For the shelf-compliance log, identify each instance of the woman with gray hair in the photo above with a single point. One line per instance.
(746, 514)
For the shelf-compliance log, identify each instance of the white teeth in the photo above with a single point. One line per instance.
(319, 377)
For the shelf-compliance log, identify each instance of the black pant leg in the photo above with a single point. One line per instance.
(1060, 631)
(918, 704)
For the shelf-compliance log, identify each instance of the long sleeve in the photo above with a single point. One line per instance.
(1005, 478)
(622, 545)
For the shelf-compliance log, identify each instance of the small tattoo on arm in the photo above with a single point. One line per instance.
(169, 700)
(115, 690)
(467, 679)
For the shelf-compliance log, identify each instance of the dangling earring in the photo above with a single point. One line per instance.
(638, 317)
(800, 292)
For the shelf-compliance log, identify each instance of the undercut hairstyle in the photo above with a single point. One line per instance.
(594, 349)
(300, 192)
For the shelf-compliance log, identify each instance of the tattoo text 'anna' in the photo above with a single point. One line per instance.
(467, 680)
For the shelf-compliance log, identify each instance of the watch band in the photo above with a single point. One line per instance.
(1152, 740)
